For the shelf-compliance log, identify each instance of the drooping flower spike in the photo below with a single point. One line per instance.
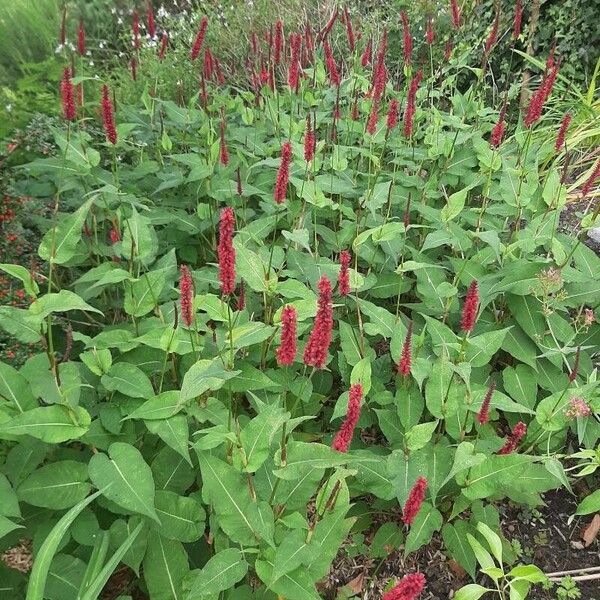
(317, 347)
(81, 38)
(332, 70)
(367, 54)
(278, 42)
(455, 12)
(226, 251)
(223, 152)
(514, 439)
(309, 140)
(135, 27)
(150, 18)
(518, 19)
(430, 32)
(392, 116)
(407, 44)
(163, 46)
(349, 29)
(498, 130)
(493, 35)
(589, 184)
(343, 438)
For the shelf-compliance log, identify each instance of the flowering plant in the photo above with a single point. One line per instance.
(275, 303)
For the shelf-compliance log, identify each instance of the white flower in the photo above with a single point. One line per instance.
(8, 107)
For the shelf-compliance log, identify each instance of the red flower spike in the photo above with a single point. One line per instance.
(114, 235)
(349, 29)
(367, 55)
(67, 96)
(135, 26)
(575, 369)
(493, 35)
(392, 116)
(283, 174)
(163, 46)
(483, 416)
(151, 22)
(133, 65)
(407, 44)
(334, 75)
(81, 38)
(518, 19)
(513, 440)
(409, 112)
(589, 184)
(562, 132)
(240, 190)
(226, 251)
(430, 32)
(354, 113)
(309, 141)
(288, 347)
(278, 42)
(373, 117)
(455, 12)
(315, 351)
(344, 274)
(498, 130)
(409, 588)
(448, 50)
(414, 501)
(197, 46)
(380, 76)
(186, 295)
(536, 105)
(406, 356)
(223, 152)
(470, 307)
(108, 116)
(329, 26)
(208, 65)
(219, 71)
(343, 438)
(294, 71)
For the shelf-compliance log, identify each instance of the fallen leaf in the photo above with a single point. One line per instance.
(457, 569)
(590, 531)
(356, 585)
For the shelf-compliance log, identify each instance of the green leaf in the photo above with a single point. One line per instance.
(21, 273)
(140, 238)
(302, 455)
(455, 204)
(125, 477)
(455, 540)
(296, 585)
(427, 521)
(361, 373)
(419, 435)
(141, 295)
(436, 389)
(121, 531)
(473, 591)
(493, 540)
(63, 301)
(59, 244)
(165, 567)
(129, 380)
(44, 556)
(174, 432)
(163, 406)
(589, 504)
(227, 491)
(219, 574)
(181, 517)
(52, 424)
(64, 577)
(290, 554)
(6, 526)
(57, 485)
(481, 348)
(14, 387)
(387, 538)
(9, 503)
(250, 267)
(204, 375)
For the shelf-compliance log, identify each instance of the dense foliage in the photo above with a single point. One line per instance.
(268, 314)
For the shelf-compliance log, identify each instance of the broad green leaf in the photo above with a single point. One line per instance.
(589, 504)
(175, 432)
(125, 478)
(9, 503)
(219, 574)
(204, 375)
(250, 267)
(296, 585)
(290, 554)
(6, 526)
(21, 273)
(57, 485)
(473, 591)
(163, 406)
(427, 521)
(302, 455)
(226, 490)
(165, 567)
(139, 238)
(52, 424)
(62, 301)
(455, 540)
(361, 373)
(121, 531)
(15, 389)
(59, 244)
(181, 517)
(129, 380)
